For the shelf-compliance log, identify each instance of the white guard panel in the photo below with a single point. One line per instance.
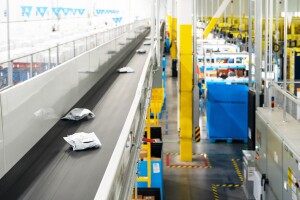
(2, 171)
(30, 109)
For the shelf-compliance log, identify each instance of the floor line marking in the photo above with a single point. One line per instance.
(215, 191)
(236, 167)
(205, 159)
(214, 188)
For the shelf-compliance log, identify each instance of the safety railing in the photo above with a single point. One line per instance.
(19, 69)
(285, 101)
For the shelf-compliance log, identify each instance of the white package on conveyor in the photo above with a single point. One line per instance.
(81, 141)
(125, 70)
(78, 114)
(141, 51)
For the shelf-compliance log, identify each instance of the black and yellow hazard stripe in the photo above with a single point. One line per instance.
(197, 134)
(215, 192)
(236, 167)
(230, 185)
(214, 188)
(203, 155)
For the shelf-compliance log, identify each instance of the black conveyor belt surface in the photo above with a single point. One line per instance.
(61, 174)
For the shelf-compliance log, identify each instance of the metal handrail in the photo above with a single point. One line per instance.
(286, 94)
(60, 44)
(110, 34)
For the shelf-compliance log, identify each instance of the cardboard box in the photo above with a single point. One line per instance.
(143, 154)
(149, 197)
(139, 197)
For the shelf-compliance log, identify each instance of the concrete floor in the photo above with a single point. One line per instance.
(218, 177)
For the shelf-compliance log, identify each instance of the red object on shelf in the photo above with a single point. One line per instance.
(151, 140)
(27, 65)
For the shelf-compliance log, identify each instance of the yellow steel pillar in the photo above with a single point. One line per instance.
(173, 33)
(186, 92)
(169, 20)
(173, 50)
(185, 58)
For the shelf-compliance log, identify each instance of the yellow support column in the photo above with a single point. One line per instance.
(186, 94)
(173, 40)
(170, 26)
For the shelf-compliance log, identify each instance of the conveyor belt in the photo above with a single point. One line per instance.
(58, 172)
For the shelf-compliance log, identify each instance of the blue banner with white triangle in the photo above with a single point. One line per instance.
(73, 11)
(81, 11)
(26, 10)
(117, 19)
(65, 11)
(56, 11)
(41, 10)
(101, 12)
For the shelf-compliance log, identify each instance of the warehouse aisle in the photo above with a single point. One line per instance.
(216, 170)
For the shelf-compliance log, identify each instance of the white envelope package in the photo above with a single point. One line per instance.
(81, 141)
(78, 114)
(125, 70)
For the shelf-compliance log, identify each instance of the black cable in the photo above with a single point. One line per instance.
(276, 47)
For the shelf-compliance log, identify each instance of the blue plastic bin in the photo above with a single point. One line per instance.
(227, 112)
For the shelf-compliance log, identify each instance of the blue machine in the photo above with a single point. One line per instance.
(156, 175)
(227, 112)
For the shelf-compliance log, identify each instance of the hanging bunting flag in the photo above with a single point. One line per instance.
(70, 10)
(41, 10)
(81, 11)
(26, 10)
(56, 11)
(65, 11)
(73, 11)
(115, 20)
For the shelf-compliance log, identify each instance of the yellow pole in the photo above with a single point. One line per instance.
(186, 94)
(173, 50)
(170, 26)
